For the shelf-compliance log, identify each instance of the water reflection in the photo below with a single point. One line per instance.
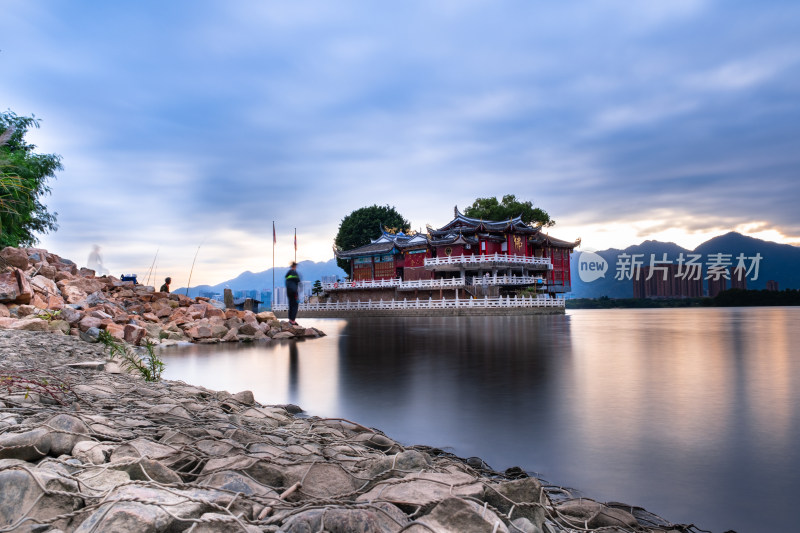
(692, 413)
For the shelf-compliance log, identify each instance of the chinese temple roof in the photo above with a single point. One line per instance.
(543, 239)
(381, 245)
(461, 230)
(469, 225)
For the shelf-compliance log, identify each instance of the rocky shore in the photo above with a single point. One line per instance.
(87, 447)
(40, 291)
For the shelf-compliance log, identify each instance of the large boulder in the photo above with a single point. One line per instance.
(25, 291)
(525, 495)
(16, 257)
(424, 488)
(380, 518)
(591, 514)
(454, 515)
(34, 494)
(141, 508)
(134, 333)
(26, 446)
(88, 322)
(65, 432)
(9, 288)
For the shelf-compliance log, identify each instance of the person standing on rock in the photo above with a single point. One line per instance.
(95, 262)
(292, 292)
(165, 286)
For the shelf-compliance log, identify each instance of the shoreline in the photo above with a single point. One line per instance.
(125, 454)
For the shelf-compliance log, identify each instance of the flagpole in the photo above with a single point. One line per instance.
(295, 245)
(273, 265)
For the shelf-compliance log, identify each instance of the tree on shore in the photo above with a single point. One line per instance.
(23, 181)
(509, 207)
(316, 289)
(364, 225)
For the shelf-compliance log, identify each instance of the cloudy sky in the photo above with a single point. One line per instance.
(184, 123)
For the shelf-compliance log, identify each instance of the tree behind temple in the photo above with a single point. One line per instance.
(23, 181)
(316, 289)
(510, 207)
(364, 225)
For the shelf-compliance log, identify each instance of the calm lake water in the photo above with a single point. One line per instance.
(693, 414)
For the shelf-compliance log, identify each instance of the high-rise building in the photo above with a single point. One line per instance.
(304, 289)
(665, 281)
(772, 285)
(739, 278)
(266, 300)
(279, 298)
(716, 286)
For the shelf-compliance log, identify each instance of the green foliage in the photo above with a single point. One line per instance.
(23, 181)
(316, 289)
(49, 315)
(149, 368)
(510, 207)
(364, 225)
(33, 380)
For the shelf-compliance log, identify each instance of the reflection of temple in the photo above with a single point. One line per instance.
(466, 258)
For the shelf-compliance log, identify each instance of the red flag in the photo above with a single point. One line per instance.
(274, 238)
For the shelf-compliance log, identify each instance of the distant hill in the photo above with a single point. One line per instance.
(309, 271)
(780, 262)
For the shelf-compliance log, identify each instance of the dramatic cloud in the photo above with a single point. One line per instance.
(184, 123)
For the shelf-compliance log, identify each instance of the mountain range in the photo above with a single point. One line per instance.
(780, 262)
(309, 271)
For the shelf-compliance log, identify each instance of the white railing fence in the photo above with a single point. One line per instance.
(488, 259)
(430, 284)
(429, 303)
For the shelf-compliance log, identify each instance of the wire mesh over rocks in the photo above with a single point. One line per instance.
(116, 453)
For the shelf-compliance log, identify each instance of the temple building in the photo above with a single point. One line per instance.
(466, 258)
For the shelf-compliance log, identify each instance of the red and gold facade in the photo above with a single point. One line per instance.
(506, 254)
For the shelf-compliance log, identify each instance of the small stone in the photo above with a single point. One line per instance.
(65, 432)
(245, 397)
(26, 446)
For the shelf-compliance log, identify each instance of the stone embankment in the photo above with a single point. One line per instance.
(86, 447)
(40, 291)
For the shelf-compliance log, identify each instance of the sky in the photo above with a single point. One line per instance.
(187, 127)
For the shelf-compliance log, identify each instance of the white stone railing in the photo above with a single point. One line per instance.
(468, 260)
(363, 284)
(427, 284)
(431, 284)
(501, 302)
(507, 280)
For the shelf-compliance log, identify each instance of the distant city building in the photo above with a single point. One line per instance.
(665, 281)
(266, 299)
(329, 279)
(772, 285)
(279, 298)
(739, 279)
(305, 289)
(716, 286)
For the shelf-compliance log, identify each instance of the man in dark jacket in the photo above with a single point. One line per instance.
(165, 286)
(292, 290)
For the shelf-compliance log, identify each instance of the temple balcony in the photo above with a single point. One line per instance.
(472, 262)
(432, 284)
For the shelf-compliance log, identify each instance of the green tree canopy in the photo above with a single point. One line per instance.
(510, 207)
(364, 225)
(23, 181)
